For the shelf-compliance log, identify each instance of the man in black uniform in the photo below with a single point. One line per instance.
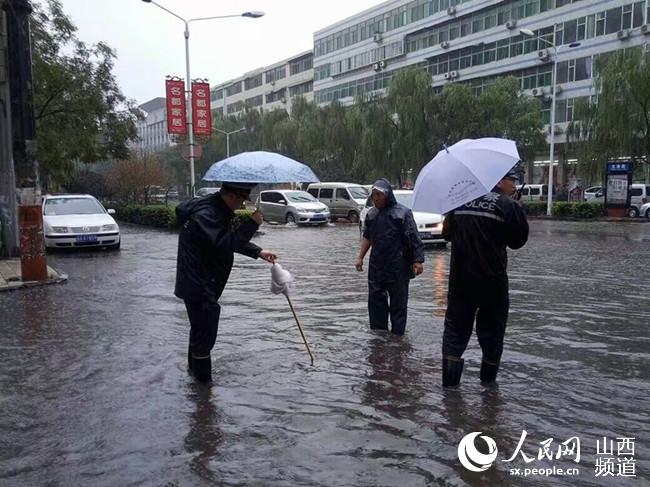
(397, 256)
(479, 232)
(206, 247)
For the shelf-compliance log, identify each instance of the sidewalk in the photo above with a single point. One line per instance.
(10, 276)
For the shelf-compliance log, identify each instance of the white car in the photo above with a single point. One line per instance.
(78, 220)
(594, 192)
(429, 224)
(645, 211)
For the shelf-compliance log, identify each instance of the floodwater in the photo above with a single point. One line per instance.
(94, 389)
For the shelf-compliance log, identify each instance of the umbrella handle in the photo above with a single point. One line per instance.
(311, 356)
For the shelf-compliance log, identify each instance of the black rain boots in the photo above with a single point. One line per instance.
(489, 371)
(452, 369)
(201, 367)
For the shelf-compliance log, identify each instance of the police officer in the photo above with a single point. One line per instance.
(397, 256)
(479, 232)
(206, 247)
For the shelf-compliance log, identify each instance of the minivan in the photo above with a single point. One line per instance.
(345, 200)
(533, 192)
(639, 195)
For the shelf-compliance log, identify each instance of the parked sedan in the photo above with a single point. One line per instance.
(291, 206)
(429, 224)
(78, 220)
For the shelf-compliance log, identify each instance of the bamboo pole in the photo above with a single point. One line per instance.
(300, 328)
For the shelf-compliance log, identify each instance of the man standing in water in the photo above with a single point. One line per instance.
(479, 232)
(206, 247)
(397, 256)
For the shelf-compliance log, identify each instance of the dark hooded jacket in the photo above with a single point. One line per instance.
(396, 244)
(206, 247)
(479, 232)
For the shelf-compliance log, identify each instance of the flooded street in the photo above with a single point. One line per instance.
(94, 389)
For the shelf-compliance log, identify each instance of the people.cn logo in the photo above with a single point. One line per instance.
(471, 458)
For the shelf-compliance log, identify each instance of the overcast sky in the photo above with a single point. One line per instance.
(149, 42)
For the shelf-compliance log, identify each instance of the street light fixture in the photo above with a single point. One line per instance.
(188, 80)
(228, 134)
(556, 49)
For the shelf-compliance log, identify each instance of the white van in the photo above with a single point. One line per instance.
(533, 192)
(639, 195)
(345, 200)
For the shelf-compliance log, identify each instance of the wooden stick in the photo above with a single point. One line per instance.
(300, 328)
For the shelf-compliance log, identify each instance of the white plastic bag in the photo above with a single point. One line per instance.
(281, 280)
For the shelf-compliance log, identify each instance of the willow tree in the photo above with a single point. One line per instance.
(617, 122)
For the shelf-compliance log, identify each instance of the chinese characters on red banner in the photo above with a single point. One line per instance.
(176, 114)
(201, 117)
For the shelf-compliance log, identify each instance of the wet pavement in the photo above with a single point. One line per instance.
(94, 388)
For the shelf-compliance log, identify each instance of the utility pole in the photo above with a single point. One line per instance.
(8, 205)
(32, 246)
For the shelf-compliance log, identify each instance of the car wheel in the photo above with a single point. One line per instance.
(353, 216)
(290, 218)
(632, 212)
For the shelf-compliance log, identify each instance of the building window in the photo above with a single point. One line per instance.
(253, 82)
(234, 89)
(275, 74)
(300, 65)
(279, 95)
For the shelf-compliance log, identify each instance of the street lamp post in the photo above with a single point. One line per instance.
(188, 80)
(556, 49)
(228, 134)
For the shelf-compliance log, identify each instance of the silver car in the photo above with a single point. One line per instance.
(291, 206)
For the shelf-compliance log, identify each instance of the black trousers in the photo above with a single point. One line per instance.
(204, 323)
(490, 308)
(379, 295)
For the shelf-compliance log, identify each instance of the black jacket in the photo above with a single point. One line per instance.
(479, 232)
(396, 244)
(206, 247)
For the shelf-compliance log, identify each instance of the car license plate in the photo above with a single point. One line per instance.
(86, 238)
(426, 235)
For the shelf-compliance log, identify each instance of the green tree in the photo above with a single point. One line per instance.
(80, 111)
(617, 122)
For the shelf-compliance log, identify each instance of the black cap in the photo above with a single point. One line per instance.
(243, 189)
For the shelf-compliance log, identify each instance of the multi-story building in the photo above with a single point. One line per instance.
(267, 88)
(152, 130)
(475, 42)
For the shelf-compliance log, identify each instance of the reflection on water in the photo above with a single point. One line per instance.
(94, 388)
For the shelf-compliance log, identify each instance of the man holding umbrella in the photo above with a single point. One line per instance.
(206, 247)
(479, 232)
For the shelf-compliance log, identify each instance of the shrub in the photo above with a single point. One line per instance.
(563, 208)
(159, 216)
(535, 208)
(589, 210)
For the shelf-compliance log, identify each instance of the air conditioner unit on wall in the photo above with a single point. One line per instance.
(511, 24)
(382, 64)
(453, 74)
(447, 75)
(377, 37)
(623, 34)
(537, 92)
(645, 29)
(444, 44)
(558, 129)
(543, 54)
(376, 66)
(452, 10)
(558, 89)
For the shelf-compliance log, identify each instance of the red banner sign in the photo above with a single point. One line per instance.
(201, 116)
(176, 115)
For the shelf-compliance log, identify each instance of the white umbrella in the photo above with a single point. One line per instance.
(463, 172)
